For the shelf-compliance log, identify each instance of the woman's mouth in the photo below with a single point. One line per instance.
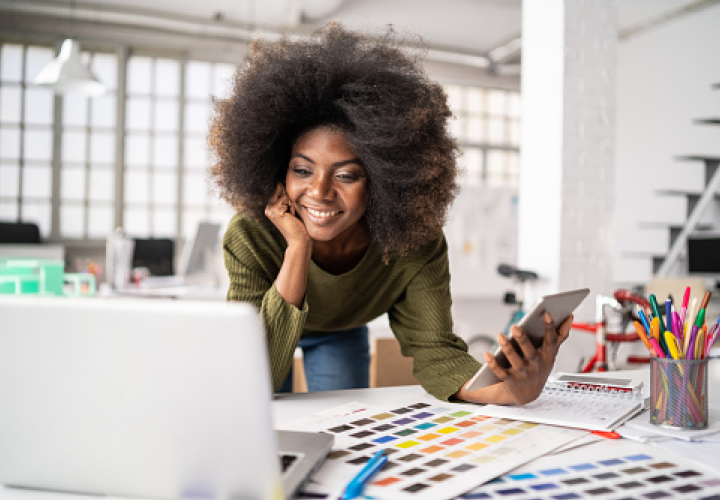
(321, 215)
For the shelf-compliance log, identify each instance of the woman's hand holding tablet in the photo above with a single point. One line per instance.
(516, 373)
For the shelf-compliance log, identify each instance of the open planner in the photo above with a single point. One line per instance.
(572, 408)
(578, 407)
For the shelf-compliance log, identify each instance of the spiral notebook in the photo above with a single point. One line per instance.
(588, 407)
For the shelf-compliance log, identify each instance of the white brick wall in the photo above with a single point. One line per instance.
(567, 182)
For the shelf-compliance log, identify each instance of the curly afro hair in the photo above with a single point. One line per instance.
(369, 87)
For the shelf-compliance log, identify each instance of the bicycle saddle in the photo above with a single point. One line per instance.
(513, 272)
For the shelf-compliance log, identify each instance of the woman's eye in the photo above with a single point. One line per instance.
(301, 171)
(348, 177)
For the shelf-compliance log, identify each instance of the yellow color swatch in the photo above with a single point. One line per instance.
(495, 439)
(407, 444)
(448, 430)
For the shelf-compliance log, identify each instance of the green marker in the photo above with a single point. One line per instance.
(656, 312)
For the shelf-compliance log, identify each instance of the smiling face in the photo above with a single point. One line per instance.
(327, 184)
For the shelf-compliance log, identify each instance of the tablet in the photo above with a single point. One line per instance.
(559, 305)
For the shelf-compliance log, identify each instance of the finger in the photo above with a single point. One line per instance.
(278, 193)
(516, 362)
(564, 330)
(550, 340)
(523, 341)
(500, 372)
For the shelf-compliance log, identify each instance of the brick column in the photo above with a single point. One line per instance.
(567, 190)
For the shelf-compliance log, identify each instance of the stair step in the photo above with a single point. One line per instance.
(706, 159)
(683, 192)
(674, 227)
(708, 121)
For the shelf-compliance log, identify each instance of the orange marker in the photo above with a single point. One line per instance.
(641, 332)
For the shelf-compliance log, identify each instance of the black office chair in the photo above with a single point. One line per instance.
(156, 254)
(19, 232)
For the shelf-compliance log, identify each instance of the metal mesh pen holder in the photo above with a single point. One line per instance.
(678, 393)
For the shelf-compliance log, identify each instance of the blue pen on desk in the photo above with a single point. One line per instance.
(356, 486)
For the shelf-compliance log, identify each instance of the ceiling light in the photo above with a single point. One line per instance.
(67, 73)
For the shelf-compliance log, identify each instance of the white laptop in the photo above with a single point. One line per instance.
(143, 398)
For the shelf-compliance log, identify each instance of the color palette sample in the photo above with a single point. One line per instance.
(639, 475)
(435, 450)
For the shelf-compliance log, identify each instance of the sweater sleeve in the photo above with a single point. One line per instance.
(253, 259)
(422, 322)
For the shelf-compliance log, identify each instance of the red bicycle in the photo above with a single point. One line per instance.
(622, 303)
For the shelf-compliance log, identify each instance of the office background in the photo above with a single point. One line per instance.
(136, 157)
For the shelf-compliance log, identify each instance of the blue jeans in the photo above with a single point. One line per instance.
(338, 360)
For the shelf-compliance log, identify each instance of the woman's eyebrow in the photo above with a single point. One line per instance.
(336, 164)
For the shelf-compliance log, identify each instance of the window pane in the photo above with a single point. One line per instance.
(75, 109)
(496, 102)
(167, 77)
(196, 152)
(104, 67)
(166, 116)
(136, 186)
(138, 75)
(136, 222)
(73, 146)
(475, 100)
(10, 143)
(138, 113)
(222, 86)
(514, 133)
(102, 147)
(194, 189)
(165, 153)
(103, 111)
(72, 186)
(137, 150)
(496, 131)
(514, 108)
(37, 181)
(165, 187)
(11, 63)
(164, 222)
(38, 212)
(474, 129)
(197, 80)
(101, 184)
(9, 181)
(197, 117)
(36, 59)
(72, 220)
(8, 210)
(37, 144)
(38, 106)
(100, 221)
(10, 104)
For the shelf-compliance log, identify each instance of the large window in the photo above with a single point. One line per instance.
(166, 109)
(26, 138)
(64, 162)
(487, 126)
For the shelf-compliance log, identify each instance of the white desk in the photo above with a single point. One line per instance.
(288, 407)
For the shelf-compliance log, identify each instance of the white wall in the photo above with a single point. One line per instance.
(664, 77)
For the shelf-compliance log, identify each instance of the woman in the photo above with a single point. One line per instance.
(336, 153)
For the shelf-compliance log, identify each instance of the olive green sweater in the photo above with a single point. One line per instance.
(413, 290)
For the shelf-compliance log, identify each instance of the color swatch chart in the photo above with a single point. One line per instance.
(644, 475)
(435, 451)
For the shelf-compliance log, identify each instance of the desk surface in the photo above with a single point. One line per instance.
(288, 407)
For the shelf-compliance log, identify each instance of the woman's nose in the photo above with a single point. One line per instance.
(320, 187)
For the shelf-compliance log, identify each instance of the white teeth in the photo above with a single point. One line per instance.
(318, 213)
